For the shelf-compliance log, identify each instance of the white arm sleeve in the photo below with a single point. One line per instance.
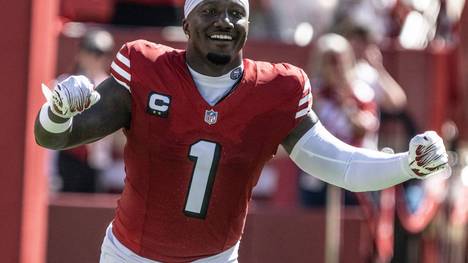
(324, 156)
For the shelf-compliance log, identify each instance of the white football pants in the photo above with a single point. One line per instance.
(112, 251)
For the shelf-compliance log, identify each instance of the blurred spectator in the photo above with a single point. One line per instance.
(97, 166)
(370, 69)
(344, 103)
(376, 14)
(294, 22)
(448, 20)
(148, 12)
(94, 55)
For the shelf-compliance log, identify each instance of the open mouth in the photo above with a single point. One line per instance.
(221, 37)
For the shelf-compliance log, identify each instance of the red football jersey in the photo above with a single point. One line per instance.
(190, 166)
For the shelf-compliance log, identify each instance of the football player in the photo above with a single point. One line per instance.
(200, 124)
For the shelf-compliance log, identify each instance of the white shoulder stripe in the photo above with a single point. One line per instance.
(302, 112)
(307, 86)
(123, 59)
(122, 83)
(120, 71)
(305, 99)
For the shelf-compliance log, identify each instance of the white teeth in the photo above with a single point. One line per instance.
(221, 37)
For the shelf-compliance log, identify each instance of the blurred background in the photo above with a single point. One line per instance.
(381, 71)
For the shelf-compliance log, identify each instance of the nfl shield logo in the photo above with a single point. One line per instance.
(211, 116)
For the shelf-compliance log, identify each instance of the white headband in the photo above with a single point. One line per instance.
(191, 4)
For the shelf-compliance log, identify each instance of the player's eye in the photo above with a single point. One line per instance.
(237, 14)
(209, 11)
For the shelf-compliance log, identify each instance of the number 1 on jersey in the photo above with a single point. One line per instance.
(205, 155)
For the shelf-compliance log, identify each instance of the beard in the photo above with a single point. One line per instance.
(218, 59)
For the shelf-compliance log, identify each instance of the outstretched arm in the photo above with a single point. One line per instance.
(109, 114)
(319, 153)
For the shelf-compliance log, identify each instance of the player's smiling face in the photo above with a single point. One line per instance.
(217, 31)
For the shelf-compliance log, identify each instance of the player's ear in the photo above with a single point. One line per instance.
(185, 27)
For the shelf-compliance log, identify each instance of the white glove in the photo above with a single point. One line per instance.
(71, 96)
(427, 155)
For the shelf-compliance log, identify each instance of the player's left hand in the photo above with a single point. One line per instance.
(427, 155)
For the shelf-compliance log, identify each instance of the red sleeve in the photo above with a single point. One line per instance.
(304, 104)
(120, 67)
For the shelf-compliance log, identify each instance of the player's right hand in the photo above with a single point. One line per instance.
(427, 155)
(71, 96)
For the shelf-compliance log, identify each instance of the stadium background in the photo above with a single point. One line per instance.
(38, 226)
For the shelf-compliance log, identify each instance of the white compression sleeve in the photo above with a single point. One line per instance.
(324, 156)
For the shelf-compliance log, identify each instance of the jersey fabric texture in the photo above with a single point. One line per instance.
(190, 166)
(112, 251)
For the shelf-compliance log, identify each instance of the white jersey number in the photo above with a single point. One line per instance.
(205, 155)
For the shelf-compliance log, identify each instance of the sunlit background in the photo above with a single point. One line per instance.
(56, 205)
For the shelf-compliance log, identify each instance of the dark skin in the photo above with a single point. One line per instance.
(211, 18)
(109, 114)
(113, 111)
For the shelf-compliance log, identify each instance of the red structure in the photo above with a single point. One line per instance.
(274, 235)
(28, 51)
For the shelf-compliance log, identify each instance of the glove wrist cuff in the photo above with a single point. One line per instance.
(50, 125)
